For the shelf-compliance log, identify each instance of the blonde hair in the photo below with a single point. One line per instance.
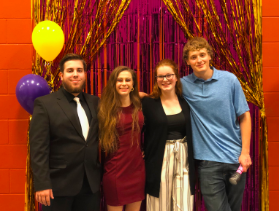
(194, 44)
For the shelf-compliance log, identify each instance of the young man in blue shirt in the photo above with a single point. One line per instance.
(221, 126)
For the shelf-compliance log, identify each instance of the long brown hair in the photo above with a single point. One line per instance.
(156, 93)
(110, 107)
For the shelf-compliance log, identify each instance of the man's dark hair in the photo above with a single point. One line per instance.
(71, 57)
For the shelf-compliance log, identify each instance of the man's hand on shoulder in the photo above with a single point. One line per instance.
(142, 95)
(44, 196)
(245, 161)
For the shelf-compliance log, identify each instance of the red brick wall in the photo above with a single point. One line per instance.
(15, 62)
(271, 93)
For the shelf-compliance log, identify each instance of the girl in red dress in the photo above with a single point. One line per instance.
(120, 122)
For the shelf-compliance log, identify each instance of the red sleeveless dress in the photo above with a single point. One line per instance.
(124, 170)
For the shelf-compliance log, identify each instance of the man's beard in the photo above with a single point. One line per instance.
(72, 90)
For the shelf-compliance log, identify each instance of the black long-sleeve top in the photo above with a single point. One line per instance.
(155, 136)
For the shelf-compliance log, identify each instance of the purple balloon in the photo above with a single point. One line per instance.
(29, 88)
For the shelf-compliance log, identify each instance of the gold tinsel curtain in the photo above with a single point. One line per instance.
(86, 25)
(243, 24)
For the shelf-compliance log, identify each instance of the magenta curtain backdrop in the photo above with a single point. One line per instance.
(146, 34)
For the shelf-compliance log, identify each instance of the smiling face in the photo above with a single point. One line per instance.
(124, 83)
(73, 77)
(199, 61)
(166, 79)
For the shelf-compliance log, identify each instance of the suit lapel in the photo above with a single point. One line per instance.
(93, 111)
(90, 104)
(68, 110)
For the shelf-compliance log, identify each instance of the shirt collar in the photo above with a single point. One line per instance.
(214, 76)
(71, 97)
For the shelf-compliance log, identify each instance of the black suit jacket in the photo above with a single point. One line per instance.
(60, 155)
(155, 136)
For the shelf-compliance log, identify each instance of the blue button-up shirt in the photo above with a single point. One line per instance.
(215, 105)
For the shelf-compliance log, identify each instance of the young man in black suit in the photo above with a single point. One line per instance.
(64, 143)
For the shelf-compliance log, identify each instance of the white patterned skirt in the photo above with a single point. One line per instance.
(175, 194)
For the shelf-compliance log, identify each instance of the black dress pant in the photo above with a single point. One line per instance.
(85, 200)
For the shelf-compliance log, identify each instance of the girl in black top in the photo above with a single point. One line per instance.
(168, 146)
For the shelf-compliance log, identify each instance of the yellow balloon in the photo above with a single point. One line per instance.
(48, 40)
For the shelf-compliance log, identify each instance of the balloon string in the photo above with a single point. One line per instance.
(49, 76)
